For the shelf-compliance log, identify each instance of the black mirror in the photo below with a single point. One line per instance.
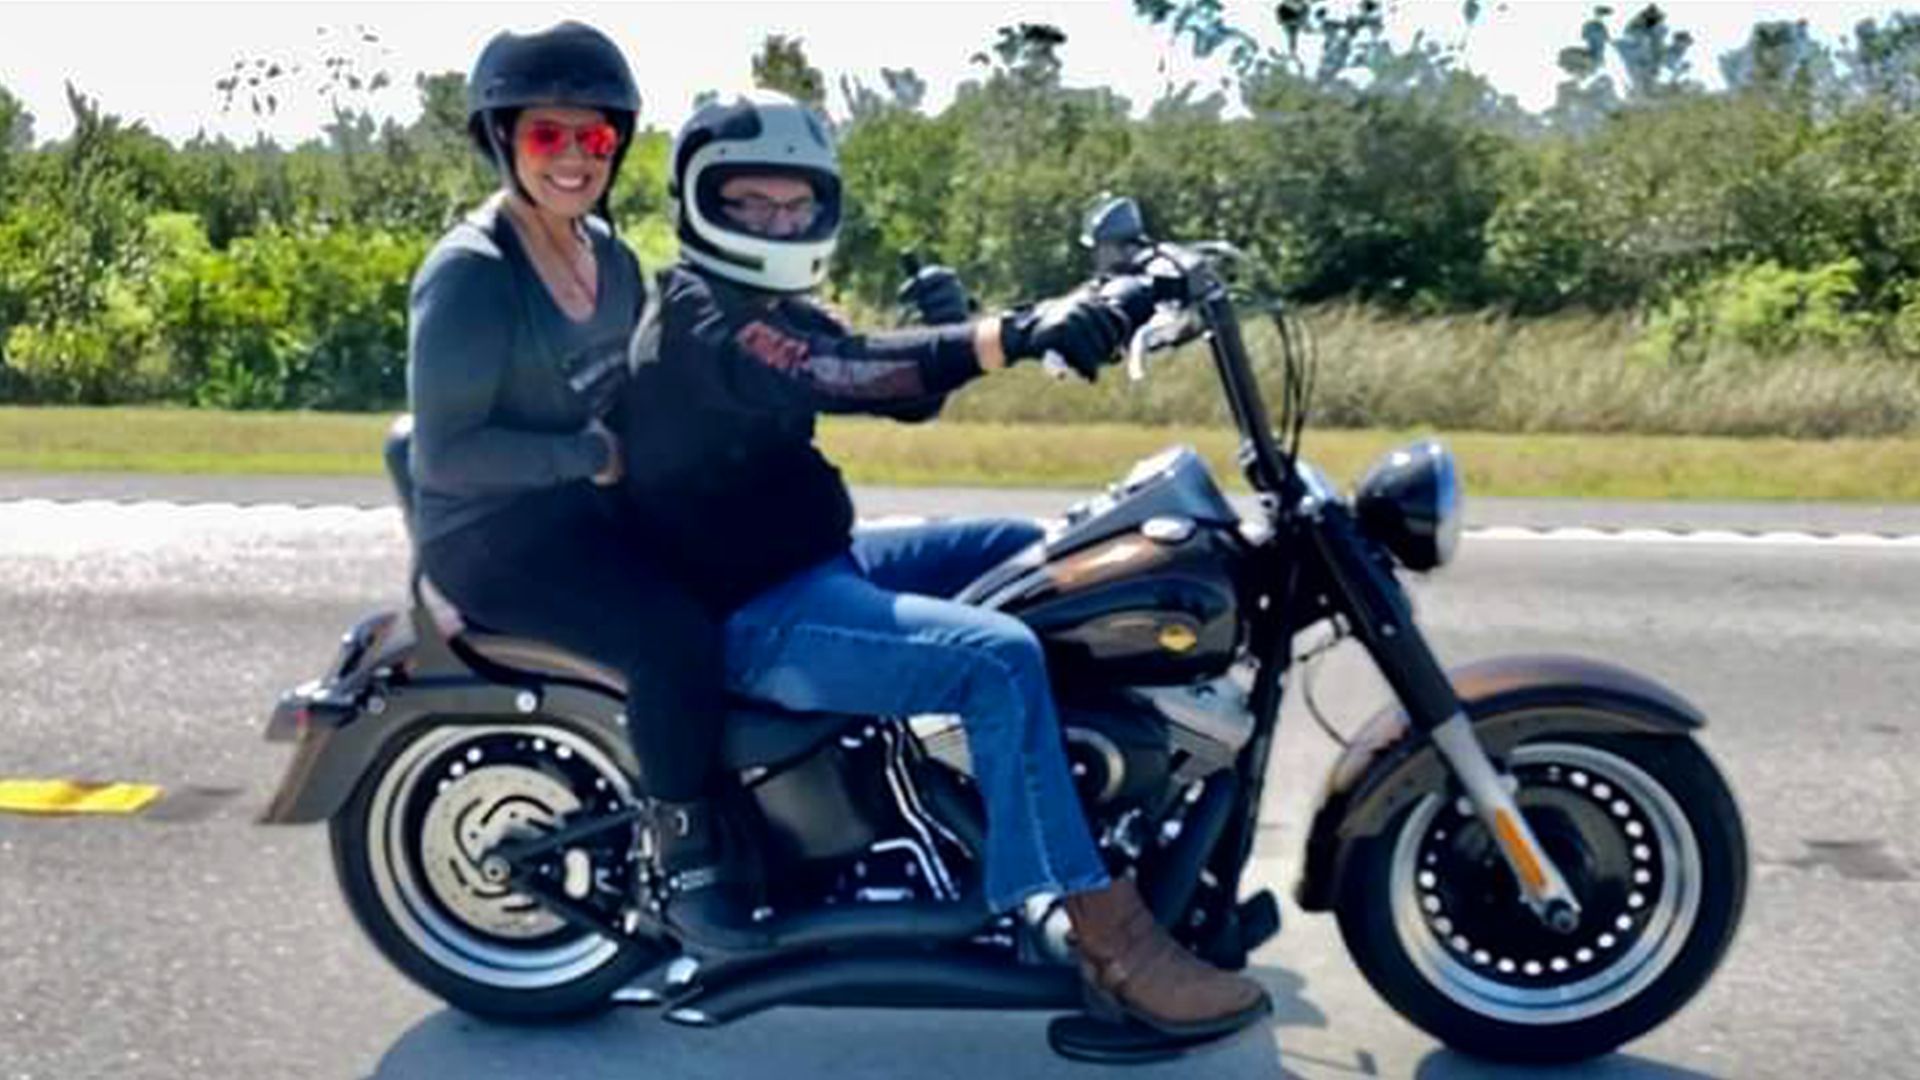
(1115, 231)
(1115, 220)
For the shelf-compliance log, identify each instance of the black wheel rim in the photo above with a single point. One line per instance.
(1627, 851)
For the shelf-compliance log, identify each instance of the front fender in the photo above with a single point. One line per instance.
(1387, 765)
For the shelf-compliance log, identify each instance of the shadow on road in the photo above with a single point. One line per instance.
(850, 1044)
(1447, 1065)
(793, 1043)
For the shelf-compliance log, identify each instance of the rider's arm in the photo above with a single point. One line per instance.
(766, 363)
(987, 350)
(460, 342)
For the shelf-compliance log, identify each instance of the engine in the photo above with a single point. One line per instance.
(1134, 748)
(850, 823)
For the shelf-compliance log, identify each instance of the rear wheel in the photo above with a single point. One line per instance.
(408, 846)
(1650, 841)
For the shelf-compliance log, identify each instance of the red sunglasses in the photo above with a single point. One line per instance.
(546, 138)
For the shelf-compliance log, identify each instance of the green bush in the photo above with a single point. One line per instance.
(313, 320)
(1903, 330)
(73, 251)
(1765, 309)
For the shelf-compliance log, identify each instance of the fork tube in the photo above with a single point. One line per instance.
(1383, 622)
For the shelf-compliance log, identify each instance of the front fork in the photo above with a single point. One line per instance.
(1383, 621)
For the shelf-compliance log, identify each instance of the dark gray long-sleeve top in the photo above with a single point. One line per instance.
(501, 382)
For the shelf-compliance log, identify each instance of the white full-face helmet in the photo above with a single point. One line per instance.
(756, 134)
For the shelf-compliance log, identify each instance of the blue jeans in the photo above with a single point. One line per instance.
(873, 633)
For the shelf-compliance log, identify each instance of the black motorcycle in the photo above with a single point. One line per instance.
(1529, 857)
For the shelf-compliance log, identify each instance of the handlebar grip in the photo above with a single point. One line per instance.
(1169, 288)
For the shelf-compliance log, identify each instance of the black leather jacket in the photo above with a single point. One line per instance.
(717, 426)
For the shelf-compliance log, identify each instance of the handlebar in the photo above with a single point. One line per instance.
(1193, 301)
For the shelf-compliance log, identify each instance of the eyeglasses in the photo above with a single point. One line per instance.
(760, 212)
(546, 138)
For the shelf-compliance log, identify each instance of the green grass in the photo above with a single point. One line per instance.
(45, 439)
(1034, 455)
(1566, 374)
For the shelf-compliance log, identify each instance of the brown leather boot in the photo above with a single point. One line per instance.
(1132, 964)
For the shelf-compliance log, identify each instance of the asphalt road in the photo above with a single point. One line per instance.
(143, 642)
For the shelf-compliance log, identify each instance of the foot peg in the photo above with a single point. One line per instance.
(1102, 1042)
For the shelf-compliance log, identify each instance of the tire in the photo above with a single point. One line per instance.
(1648, 835)
(406, 846)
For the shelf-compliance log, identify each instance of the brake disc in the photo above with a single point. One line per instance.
(470, 816)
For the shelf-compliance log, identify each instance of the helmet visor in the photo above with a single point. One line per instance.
(795, 204)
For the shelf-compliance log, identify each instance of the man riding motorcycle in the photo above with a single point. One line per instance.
(717, 427)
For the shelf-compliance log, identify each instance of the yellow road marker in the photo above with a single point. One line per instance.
(74, 797)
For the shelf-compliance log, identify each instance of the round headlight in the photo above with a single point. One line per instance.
(1410, 501)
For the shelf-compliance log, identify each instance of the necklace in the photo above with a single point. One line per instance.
(578, 283)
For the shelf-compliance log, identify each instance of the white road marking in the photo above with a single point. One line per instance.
(102, 524)
(1697, 536)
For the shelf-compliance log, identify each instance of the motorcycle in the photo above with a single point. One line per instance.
(1529, 857)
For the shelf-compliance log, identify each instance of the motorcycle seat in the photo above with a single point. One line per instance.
(756, 735)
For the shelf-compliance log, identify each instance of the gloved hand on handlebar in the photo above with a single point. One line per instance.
(1085, 328)
(937, 295)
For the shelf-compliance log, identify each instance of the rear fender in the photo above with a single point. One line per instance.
(375, 645)
(1388, 765)
(393, 679)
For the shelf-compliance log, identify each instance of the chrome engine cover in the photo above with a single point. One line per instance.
(1207, 724)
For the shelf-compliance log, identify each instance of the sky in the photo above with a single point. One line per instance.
(156, 61)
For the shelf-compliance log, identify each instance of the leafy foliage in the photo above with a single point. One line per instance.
(782, 65)
(1770, 223)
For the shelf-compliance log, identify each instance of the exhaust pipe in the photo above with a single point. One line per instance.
(879, 924)
(922, 981)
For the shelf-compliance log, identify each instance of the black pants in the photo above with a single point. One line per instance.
(564, 567)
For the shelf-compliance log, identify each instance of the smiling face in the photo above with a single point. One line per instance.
(563, 158)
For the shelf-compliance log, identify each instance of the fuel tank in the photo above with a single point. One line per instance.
(1153, 605)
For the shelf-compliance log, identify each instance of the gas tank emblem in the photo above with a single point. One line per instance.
(1167, 530)
(1178, 638)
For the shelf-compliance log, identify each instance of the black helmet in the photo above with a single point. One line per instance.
(569, 64)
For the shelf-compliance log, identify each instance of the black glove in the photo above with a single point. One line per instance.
(936, 294)
(1086, 327)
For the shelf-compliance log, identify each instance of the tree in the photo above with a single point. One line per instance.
(909, 90)
(906, 90)
(443, 108)
(782, 65)
(1203, 23)
(1029, 53)
(1884, 62)
(73, 245)
(1030, 153)
(1325, 40)
(1654, 54)
(1649, 51)
(1780, 60)
(16, 125)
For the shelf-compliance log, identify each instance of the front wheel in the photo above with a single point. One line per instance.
(1648, 837)
(408, 849)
